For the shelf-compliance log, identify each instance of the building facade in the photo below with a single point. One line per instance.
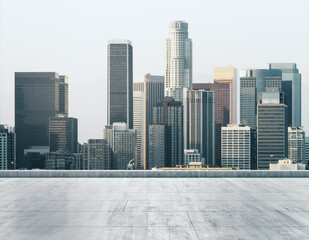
(296, 144)
(291, 77)
(191, 155)
(238, 147)
(63, 134)
(170, 113)
(272, 129)
(63, 94)
(120, 82)
(222, 95)
(199, 123)
(7, 148)
(178, 72)
(122, 142)
(36, 100)
(253, 82)
(229, 75)
(157, 145)
(307, 151)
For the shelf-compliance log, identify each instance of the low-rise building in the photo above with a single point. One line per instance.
(287, 165)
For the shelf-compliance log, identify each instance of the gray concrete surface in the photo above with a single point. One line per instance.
(153, 174)
(154, 208)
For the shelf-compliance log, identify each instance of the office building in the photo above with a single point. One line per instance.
(60, 161)
(170, 113)
(287, 165)
(36, 156)
(228, 75)
(199, 123)
(157, 145)
(272, 129)
(122, 142)
(63, 134)
(36, 100)
(63, 94)
(238, 147)
(291, 80)
(7, 148)
(138, 125)
(96, 155)
(253, 82)
(296, 144)
(120, 82)
(191, 155)
(178, 72)
(307, 151)
(222, 95)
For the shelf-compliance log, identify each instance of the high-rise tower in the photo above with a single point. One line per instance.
(120, 82)
(178, 72)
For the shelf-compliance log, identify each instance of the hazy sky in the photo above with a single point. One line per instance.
(70, 37)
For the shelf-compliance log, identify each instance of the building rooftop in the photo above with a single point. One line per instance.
(153, 208)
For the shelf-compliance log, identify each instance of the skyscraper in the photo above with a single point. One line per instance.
(122, 142)
(157, 145)
(63, 95)
(63, 134)
(272, 129)
(199, 123)
(170, 113)
(138, 125)
(228, 75)
(7, 148)
(291, 74)
(252, 82)
(296, 144)
(152, 87)
(222, 95)
(238, 147)
(178, 72)
(120, 82)
(36, 100)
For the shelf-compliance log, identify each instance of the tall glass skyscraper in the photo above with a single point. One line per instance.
(178, 72)
(36, 100)
(63, 95)
(120, 82)
(253, 82)
(292, 77)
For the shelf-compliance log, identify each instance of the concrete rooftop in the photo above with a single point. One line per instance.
(154, 208)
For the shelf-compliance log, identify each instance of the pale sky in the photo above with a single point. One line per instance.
(70, 37)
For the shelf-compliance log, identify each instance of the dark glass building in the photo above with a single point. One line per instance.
(7, 148)
(63, 95)
(120, 82)
(222, 95)
(36, 100)
(63, 134)
(170, 113)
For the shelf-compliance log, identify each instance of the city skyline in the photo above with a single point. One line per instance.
(87, 74)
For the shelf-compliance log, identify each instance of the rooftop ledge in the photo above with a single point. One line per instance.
(152, 174)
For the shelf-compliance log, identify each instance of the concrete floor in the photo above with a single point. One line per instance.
(154, 208)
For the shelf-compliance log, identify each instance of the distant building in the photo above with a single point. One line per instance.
(122, 142)
(157, 145)
(36, 156)
(287, 165)
(253, 82)
(191, 155)
(199, 123)
(222, 96)
(170, 113)
(228, 75)
(178, 73)
(120, 82)
(291, 79)
(63, 95)
(238, 147)
(7, 148)
(96, 155)
(60, 161)
(152, 87)
(296, 144)
(307, 151)
(272, 129)
(36, 100)
(63, 134)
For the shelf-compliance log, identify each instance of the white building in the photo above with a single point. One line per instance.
(236, 147)
(286, 164)
(191, 155)
(296, 144)
(178, 74)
